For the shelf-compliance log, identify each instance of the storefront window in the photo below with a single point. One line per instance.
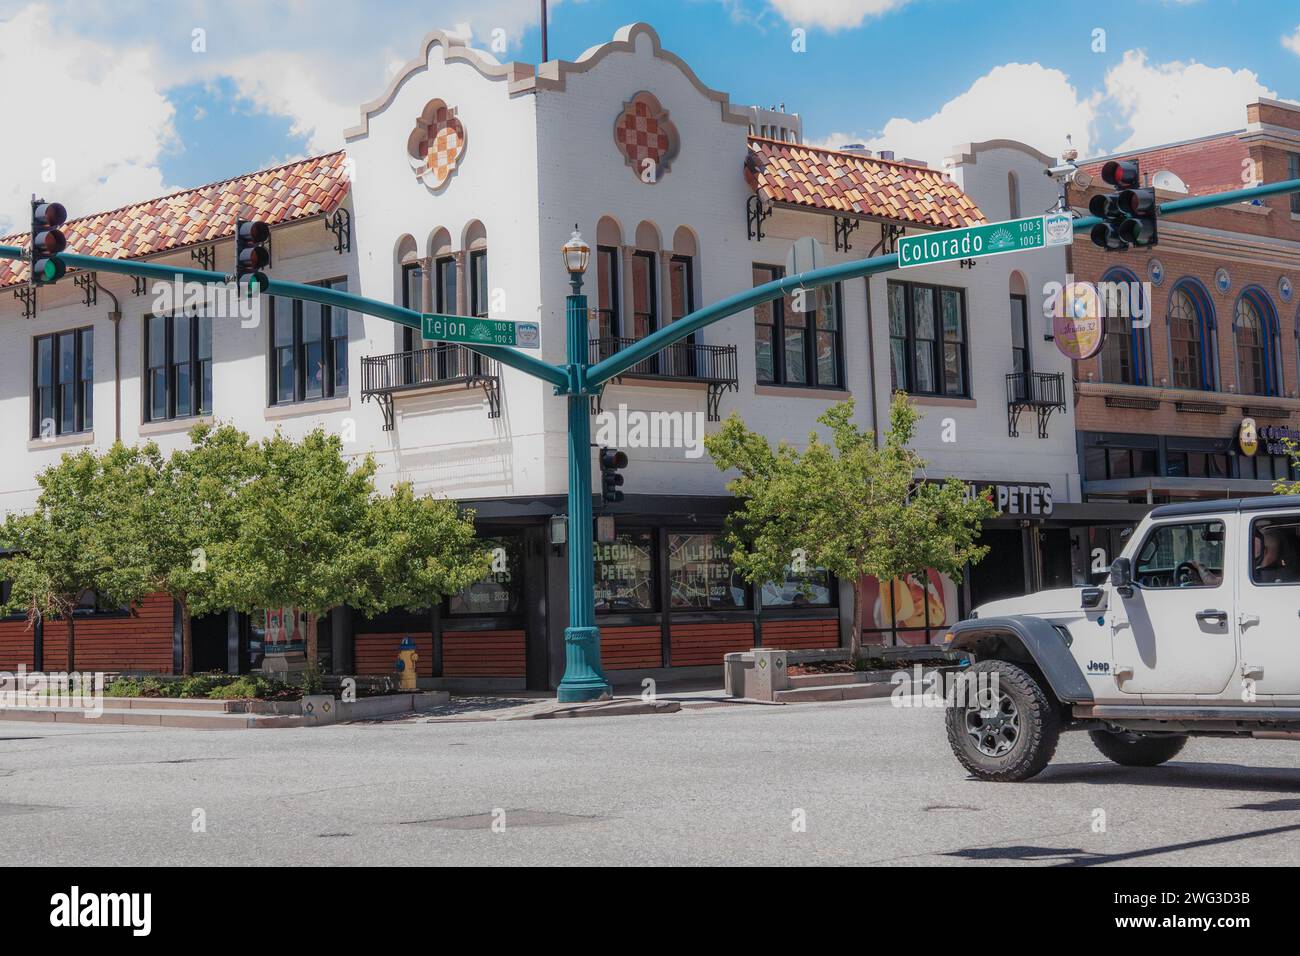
(700, 574)
(624, 573)
(912, 609)
(500, 591)
(807, 589)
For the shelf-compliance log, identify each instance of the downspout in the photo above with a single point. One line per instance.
(115, 316)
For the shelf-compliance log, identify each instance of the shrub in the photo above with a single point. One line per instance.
(202, 685)
(136, 687)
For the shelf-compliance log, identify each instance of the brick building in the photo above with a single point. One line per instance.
(1212, 341)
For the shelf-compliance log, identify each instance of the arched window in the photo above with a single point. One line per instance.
(1125, 354)
(1191, 322)
(1021, 355)
(1013, 195)
(1255, 331)
(605, 320)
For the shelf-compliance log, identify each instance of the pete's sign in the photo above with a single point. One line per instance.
(1017, 499)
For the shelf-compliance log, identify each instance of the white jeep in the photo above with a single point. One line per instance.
(1196, 631)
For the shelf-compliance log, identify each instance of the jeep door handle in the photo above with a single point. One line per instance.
(1213, 616)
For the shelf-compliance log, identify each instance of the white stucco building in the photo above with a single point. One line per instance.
(457, 188)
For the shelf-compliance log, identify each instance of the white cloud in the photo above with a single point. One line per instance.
(1292, 42)
(100, 118)
(833, 14)
(313, 62)
(1148, 103)
(1021, 101)
(1167, 102)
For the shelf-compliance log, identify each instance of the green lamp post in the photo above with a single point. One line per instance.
(583, 677)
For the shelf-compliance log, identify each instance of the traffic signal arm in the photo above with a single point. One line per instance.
(310, 293)
(590, 377)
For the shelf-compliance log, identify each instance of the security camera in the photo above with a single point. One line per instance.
(1068, 173)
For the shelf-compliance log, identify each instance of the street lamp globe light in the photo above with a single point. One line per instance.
(576, 253)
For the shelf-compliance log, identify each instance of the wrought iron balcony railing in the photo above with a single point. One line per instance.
(1044, 392)
(713, 365)
(383, 376)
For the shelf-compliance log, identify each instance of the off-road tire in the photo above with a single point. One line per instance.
(1038, 722)
(1131, 750)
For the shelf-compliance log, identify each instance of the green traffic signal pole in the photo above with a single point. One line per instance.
(297, 290)
(577, 381)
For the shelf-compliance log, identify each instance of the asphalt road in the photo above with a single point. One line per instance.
(874, 784)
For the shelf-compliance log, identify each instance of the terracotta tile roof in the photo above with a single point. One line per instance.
(284, 194)
(831, 181)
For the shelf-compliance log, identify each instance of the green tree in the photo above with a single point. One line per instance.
(313, 534)
(301, 522)
(177, 522)
(852, 506)
(418, 551)
(71, 542)
(1284, 486)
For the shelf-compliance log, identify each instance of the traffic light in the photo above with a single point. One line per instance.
(611, 460)
(251, 254)
(48, 241)
(1129, 214)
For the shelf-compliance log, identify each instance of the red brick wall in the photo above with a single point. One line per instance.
(628, 648)
(694, 644)
(15, 645)
(376, 654)
(141, 641)
(483, 654)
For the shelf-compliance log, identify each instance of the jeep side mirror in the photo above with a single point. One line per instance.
(1121, 576)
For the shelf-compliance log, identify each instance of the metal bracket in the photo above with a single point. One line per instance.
(340, 223)
(27, 296)
(88, 283)
(206, 256)
(1013, 420)
(890, 233)
(843, 227)
(139, 285)
(1044, 413)
(491, 385)
(714, 398)
(967, 263)
(385, 402)
(755, 213)
(597, 397)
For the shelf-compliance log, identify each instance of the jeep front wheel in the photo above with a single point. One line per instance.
(1011, 731)
(1133, 750)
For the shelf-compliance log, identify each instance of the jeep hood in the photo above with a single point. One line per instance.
(1059, 602)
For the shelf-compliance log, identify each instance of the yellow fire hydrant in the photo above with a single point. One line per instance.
(406, 658)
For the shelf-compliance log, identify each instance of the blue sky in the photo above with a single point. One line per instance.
(917, 76)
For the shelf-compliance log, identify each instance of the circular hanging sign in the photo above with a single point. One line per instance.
(1248, 437)
(1284, 288)
(1077, 327)
(1222, 281)
(1156, 271)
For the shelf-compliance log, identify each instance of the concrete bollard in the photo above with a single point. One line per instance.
(733, 672)
(769, 675)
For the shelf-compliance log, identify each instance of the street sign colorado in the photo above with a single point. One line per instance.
(472, 331)
(991, 239)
